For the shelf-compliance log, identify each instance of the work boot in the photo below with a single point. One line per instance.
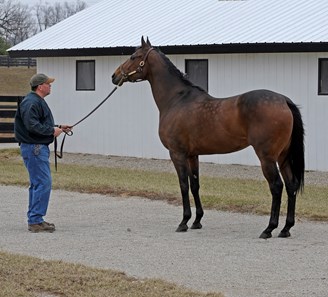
(49, 224)
(42, 227)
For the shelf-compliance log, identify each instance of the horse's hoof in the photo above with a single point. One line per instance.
(284, 234)
(265, 235)
(196, 226)
(182, 228)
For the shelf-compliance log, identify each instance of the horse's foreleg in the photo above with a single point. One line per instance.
(194, 186)
(181, 166)
(271, 174)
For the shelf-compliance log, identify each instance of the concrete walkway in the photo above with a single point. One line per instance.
(138, 236)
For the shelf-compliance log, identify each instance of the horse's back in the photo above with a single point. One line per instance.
(260, 99)
(263, 105)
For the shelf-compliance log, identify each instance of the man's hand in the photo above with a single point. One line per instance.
(66, 128)
(57, 131)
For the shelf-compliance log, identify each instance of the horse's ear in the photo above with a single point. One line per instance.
(143, 43)
(148, 42)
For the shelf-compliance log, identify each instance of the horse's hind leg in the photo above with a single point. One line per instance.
(194, 186)
(291, 188)
(271, 174)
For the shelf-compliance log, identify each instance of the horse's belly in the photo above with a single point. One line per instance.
(217, 147)
(205, 144)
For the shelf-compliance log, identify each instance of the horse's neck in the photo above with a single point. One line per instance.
(165, 87)
(165, 94)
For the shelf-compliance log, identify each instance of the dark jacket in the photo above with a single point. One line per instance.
(34, 122)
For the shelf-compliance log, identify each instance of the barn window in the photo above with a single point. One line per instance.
(85, 75)
(197, 71)
(323, 77)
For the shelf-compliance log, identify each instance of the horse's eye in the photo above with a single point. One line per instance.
(132, 57)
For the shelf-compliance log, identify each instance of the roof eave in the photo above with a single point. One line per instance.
(115, 51)
(180, 49)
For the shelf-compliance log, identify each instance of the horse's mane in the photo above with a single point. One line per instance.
(175, 71)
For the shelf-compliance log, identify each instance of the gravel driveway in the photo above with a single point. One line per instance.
(138, 236)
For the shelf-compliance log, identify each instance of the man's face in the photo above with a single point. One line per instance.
(44, 89)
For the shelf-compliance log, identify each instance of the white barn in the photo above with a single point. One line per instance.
(228, 46)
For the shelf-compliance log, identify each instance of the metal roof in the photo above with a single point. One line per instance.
(171, 23)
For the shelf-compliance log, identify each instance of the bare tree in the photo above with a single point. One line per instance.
(19, 22)
(49, 15)
(16, 22)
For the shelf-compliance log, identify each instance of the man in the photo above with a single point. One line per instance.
(35, 130)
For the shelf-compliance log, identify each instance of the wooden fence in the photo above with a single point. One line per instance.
(8, 107)
(6, 61)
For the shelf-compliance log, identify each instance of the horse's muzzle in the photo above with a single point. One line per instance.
(115, 79)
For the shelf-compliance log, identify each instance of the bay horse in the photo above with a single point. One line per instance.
(193, 123)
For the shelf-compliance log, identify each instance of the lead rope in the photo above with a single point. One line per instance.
(70, 133)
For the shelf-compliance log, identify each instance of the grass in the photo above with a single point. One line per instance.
(238, 195)
(30, 277)
(14, 81)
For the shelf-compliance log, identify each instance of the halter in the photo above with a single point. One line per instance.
(125, 76)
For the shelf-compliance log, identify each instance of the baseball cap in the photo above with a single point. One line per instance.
(39, 79)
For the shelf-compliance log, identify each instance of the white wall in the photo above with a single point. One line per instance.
(127, 124)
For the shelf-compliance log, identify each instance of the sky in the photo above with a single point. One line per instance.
(32, 2)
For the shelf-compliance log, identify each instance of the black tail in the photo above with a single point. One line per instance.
(295, 155)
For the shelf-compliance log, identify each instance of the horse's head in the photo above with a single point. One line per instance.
(133, 69)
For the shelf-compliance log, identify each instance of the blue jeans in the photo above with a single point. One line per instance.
(36, 160)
